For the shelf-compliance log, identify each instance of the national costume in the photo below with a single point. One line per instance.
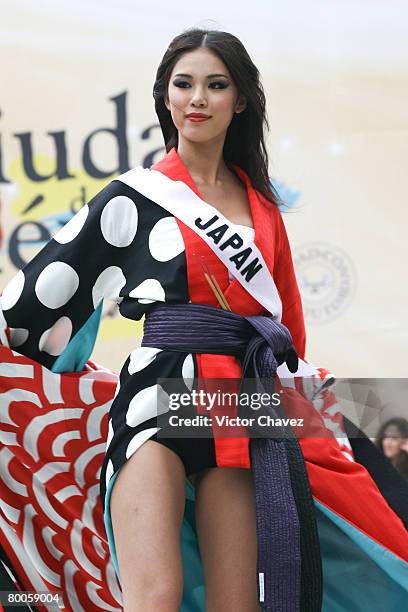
(331, 513)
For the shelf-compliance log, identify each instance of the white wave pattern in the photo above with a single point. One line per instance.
(61, 440)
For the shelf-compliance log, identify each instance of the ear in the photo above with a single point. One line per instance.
(241, 104)
(166, 102)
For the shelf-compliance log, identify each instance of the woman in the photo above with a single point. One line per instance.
(201, 227)
(392, 440)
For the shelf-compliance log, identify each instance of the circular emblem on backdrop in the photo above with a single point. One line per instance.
(327, 280)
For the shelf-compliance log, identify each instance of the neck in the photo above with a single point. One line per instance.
(204, 162)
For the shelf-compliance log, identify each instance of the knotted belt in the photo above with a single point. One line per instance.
(289, 560)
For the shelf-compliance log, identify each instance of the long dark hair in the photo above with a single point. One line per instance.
(401, 460)
(244, 142)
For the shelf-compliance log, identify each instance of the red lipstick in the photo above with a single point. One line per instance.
(197, 117)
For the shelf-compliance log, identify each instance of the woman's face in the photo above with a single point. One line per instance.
(201, 83)
(392, 441)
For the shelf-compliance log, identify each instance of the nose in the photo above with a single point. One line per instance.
(198, 98)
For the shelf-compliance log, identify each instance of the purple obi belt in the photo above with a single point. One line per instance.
(289, 568)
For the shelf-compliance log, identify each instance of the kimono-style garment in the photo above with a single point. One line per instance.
(68, 425)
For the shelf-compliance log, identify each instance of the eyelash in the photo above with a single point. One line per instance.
(223, 85)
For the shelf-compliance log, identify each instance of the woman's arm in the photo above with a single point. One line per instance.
(285, 279)
(59, 293)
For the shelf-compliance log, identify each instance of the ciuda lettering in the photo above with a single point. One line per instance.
(233, 240)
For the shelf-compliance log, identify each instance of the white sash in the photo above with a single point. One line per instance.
(235, 249)
(227, 241)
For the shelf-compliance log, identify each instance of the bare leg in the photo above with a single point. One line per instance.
(226, 527)
(147, 509)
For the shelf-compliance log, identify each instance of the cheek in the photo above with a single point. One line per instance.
(223, 104)
(177, 101)
(391, 446)
(177, 96)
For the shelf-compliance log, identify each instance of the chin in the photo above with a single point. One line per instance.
(197, 138)
(200, 136)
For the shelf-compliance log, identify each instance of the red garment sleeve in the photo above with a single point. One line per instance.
(285, 280)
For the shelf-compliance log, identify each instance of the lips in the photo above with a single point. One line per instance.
(197, 116)
(197, 119)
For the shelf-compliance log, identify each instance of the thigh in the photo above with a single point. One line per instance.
(147, 509)
(226, 527)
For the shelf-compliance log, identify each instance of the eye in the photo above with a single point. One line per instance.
(222, 85)
(180, 83)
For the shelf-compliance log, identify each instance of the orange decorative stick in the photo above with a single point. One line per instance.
(212, 281)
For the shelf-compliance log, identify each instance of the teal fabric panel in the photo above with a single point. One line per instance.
(358, 574)
(79, 349)
(194, 590)
(108, 523)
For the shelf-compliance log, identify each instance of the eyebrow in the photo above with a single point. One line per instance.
(209, 76)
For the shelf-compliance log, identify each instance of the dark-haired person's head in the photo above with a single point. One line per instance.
(216, 67)
(392, 439)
